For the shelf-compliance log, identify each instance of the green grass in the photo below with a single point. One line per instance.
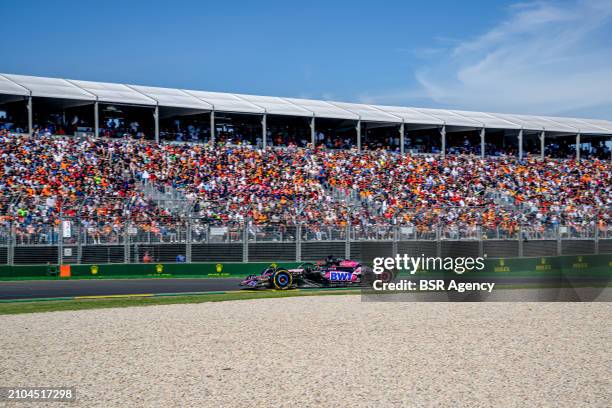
(51, 305)
(106, 277)
(19, 307)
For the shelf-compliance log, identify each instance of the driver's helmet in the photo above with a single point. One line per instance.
(332, 260)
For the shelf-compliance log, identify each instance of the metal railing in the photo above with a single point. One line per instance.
(194, 239)
(166, 226)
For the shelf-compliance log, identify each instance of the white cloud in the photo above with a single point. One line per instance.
(545, 58)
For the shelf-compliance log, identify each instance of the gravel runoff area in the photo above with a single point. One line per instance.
(317, 351)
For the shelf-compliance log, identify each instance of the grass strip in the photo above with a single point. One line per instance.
(149, 276)
(87, 304)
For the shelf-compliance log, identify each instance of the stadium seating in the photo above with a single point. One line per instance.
(104, 182)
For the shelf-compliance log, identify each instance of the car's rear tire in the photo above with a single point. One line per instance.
(386, 276)
(282, 279)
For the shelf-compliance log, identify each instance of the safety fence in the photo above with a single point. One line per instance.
(187, 240)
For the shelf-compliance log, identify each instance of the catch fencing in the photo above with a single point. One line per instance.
(72, 240)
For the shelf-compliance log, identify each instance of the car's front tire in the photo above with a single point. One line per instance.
(282, 279)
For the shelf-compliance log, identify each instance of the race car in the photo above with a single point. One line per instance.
(333, 272)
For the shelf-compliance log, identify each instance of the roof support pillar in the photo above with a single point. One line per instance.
(482, 142)
(358, 128)
(96, 120)
(313, 134)
(30, 117)
(264, 130)
(156, 118)
(401, 132)
(542, 145)
(212, 127)
(578, 147)
(443, 141)
(520, 144)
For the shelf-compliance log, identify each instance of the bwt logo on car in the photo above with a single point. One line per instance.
(340, 276)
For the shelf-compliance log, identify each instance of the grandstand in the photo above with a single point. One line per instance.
(72, 107)
(95, 173)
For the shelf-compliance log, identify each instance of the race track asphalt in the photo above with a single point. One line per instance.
(36, 289)
(104, 287)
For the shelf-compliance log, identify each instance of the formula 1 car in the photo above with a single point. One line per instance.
(333, 272)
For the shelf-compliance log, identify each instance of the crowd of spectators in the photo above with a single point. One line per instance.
(99, 182)
(7, 125)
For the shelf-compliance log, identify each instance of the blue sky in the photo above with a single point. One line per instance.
(552, 57)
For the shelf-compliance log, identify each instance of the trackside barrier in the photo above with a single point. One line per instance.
(523, 267)
(579, 266)
(211, 270)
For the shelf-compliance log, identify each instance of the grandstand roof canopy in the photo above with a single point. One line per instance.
(276, 106)
(586, 126)
(175, 98)
(604, 124)
(411, 115)
(115, 93)
(50, 87)
(324, 109)
(450, 118)
(226, 102)
(236, 103)
(368, 112)
(488, 120)
(11, 88)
